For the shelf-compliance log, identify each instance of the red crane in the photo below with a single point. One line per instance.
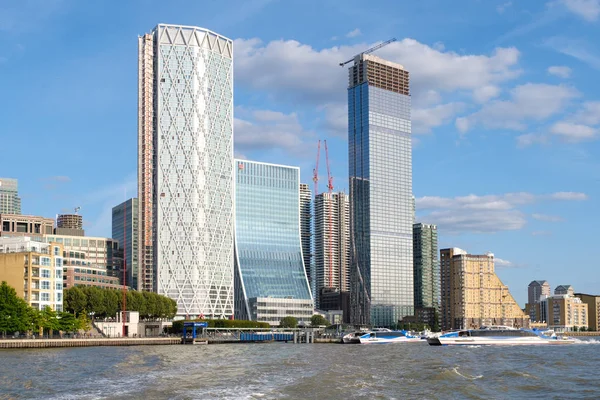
(316, 170)
(330, 190)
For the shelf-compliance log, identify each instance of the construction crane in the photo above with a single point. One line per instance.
(316, 170)
(77, 210)
(372, 49)
(330, 190)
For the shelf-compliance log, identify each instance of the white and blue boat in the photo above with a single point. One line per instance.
(497, 335)
(388, 336)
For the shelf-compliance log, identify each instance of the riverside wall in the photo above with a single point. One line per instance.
(47, 343)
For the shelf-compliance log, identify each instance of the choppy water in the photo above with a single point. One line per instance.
(302, 371)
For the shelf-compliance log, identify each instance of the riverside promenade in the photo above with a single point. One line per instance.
(48, 343)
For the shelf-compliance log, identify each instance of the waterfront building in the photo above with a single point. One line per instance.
(89, 275)
(426, 272)
(380, 172)
(270, 278)
(566, 312)
(69, 224)
(15, 225)
(306, 234)
(536, 291)
(593, 311)
(332, 248)
(185, 160)
(34, 270)
(472, 294)
(125, 230)
(564, 290)
(98, 251)
(10, 202)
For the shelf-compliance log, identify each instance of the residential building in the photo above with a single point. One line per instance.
(14, 225)
(97, 251)
(536, 291)
(566, 313)
(426, 270)
(125, 229)
(306, 234)
(69, 224)
(147, 47)
(380, 172)
(564, 290)
(89, 275)
(185, 149)
(34, 270)
(473, 295)
(270, 278)
(10, 202)
(332, 247)
(593, 303)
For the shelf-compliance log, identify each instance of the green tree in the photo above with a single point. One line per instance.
(288, 322)
(14, 311)
(49, 320)
(67, 322)
(75, 300)
(319, 320)
(83, 322)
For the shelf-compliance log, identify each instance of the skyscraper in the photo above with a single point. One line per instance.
(332, 244)
(306, 233)
(381, 216)
(125, 229)
(426, 266)
(185, 167)
(270, 278)
(10, 202)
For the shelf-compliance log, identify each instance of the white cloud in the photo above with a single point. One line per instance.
(289, 68)
(573, 132)
(529, 139)
(266, 129)
(499, 262)
(577, 49)
(547, 218)
(589, 113)
(336, 119)
(502, 7)
(560, 71)
(484, 214)
(586, 9)
(424, 119)
(485, 93)
(528, 102)
(353, 33)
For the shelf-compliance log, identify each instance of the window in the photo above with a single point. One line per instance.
(56, 251)
(45, 261)
(58, 297)
(58, 286)
(58, 274)
(45, 297)
(45, 285)
(58, 262)
(46, 273)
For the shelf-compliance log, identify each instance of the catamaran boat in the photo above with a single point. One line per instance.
(497, 335)
(388, 336)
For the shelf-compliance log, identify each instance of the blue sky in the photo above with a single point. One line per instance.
(506, 110)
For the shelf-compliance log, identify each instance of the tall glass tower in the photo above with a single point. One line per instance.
(10, 202)
(185, 164)
(125, 229)
(270, 278)
(380, 161)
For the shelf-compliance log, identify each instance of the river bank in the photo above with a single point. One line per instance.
(49, 343)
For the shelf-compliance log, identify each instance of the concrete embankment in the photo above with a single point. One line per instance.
(582, 333)
(46, 343)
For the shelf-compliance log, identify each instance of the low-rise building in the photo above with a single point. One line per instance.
(34, 270)
(90, 275)
(16, 225)
(593, 303)
(566, 313)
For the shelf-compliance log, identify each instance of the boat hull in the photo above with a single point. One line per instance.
(391, 340)
(475, 341)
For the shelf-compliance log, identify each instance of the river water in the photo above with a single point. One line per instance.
(303, 371)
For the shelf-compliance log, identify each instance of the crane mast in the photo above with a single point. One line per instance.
(372, 49)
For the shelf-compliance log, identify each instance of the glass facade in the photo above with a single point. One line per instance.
(426, 266)
(193, 174)
(268, 250)
(10, 202)
(125, 229)
(380, 172)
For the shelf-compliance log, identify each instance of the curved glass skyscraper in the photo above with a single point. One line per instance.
(270, 277)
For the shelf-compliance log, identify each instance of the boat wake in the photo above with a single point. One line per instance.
(586, 341)
(466, 376)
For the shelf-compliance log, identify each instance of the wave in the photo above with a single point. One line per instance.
(466, 376)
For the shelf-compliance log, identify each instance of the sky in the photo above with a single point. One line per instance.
(506, 110)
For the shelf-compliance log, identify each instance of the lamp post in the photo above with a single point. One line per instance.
(92, 316)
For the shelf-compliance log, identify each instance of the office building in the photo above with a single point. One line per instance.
(426, 269)
(473, 295)
(69, 224)
(185, 160)
(10, 202)
(270, 278)
(332, 246)
(536, 291)
(380, 172)
(306, 233)
(593, 303)
(89, 275)
(125, 230)
(15, 225)
(34, 270)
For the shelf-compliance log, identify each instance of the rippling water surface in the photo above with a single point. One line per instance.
(303, 371)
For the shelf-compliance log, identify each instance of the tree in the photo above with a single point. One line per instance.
(14, 311)
(288, 322)
(75, 300)
(67, 322)
(319, 320)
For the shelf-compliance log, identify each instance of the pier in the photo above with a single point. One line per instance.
(48, 343)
